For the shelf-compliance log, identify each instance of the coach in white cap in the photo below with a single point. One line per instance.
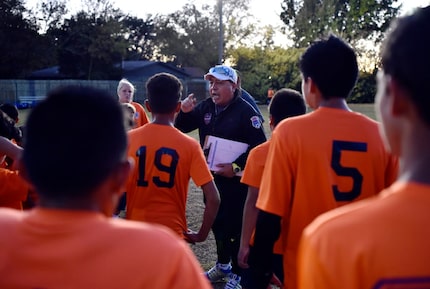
(226, 115)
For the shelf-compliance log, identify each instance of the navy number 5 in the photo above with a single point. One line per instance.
(170, 169)
(354, 173)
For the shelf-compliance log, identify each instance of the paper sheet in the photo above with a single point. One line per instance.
(220, 150)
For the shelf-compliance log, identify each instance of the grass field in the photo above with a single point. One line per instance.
(367, 109)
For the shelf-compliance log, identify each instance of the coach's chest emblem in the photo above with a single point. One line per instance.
(207, 118)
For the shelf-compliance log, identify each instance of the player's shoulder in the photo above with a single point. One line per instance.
(135, 133)
(337, 222)
(9, 218)
(295, 126)
(351, 218)
(7, 214)
(183, 140)
(142, 233)
(259, 150)
(364, 118)
(137, 105)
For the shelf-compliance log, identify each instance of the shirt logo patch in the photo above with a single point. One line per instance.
(207, 118)
(255, 121)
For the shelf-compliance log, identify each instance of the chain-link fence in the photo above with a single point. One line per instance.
(26, 93)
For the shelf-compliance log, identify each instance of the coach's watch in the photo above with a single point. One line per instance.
(236, 168)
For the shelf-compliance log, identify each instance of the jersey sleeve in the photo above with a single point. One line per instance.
(13, 189)
(200, 172)
(141, 117)
(254, 168)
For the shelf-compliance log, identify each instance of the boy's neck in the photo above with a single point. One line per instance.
(415, 155)
(163, 119)
(336, 102)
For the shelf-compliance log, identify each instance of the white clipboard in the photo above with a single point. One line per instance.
(221, 150)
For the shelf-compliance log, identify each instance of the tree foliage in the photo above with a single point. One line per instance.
(188, 37)
(365, 89)
(92, 43)
(238, 24)
(90, 47)
(140, 36)
(20, 44)
(264, 68)
(350, 19)
(50, 14)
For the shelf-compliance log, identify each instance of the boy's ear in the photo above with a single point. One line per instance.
(400, 98)
(18, 164)
(313, 88)
(123, 173)
(110, 191)
(178, 107)
(147, 105)
(271, 122)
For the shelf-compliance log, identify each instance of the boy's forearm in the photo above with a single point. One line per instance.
(250, 213)
(10, 149)
(211, 208)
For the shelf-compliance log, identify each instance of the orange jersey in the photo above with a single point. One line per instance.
(382, 242)
(44, 248)
(318, 162)
(13, 189)
(252, 176)
(140, 117)
(166, 159)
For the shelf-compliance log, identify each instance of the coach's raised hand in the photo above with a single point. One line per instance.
(188, 103)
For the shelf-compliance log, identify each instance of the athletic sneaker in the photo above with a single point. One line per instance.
(218, 272)
(233, 282)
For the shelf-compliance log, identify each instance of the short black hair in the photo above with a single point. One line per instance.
(286, 103)
(74, 140)
(405, 56)
(10, 109)
(164, 91)
(332, 65)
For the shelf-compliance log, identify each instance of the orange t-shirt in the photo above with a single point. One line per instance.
(318, 162)
(381, 242)
(44, 248)
(165, 161)
(252, 177)
(140, 117)
(13, 189)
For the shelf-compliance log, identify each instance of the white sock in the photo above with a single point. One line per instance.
(224, 266)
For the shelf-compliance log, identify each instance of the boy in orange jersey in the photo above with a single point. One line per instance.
(383, 242)
(13, 188)
(9, 130)
(79, 169)
(125, 93)
(285, 103)
(166, 161)
(318, 161)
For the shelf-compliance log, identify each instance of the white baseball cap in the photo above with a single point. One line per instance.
(222, 72)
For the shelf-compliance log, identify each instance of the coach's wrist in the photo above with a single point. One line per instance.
(236, 168)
